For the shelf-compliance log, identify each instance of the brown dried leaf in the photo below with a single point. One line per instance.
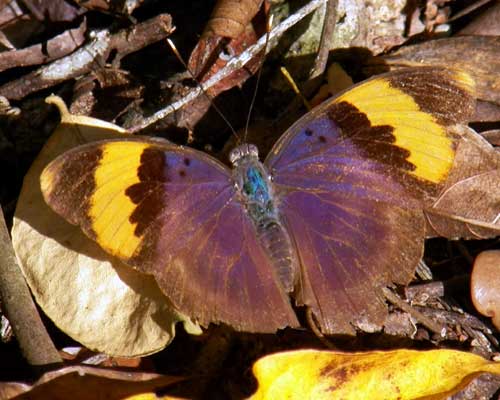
(486, 23)
(477, 55)
(97, 300)
(82, 383)
(469, 206)
(492, 136)
(230, 17)
(487, 112)
(231, 20)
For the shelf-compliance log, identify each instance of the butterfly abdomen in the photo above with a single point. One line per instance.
(274, 238)
(256, 193)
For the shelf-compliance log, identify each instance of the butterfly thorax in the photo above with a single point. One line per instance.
(256, 193)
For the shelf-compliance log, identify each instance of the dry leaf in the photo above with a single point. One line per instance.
(398, 374)
(230, 17)
(82, 383)
(486, 23)
(229, 20)
(95, 299)
(492, 136)
(477, 55)
(230, 31)
(469, 206)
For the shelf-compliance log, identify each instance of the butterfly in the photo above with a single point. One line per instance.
(331, 217)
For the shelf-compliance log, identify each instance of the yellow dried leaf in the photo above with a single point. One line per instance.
(398, 374)
(94, 298)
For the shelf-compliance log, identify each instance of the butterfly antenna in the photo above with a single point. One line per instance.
(269, 23)
(210, 98)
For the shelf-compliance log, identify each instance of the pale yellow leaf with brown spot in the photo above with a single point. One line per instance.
(398, 374)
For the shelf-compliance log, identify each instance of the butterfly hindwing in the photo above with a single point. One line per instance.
(349, 179)
(170, 211)
(351, 176)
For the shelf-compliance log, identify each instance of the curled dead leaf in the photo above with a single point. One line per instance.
(81, 383)
(469, 205)
(229, 17)
(94, 298)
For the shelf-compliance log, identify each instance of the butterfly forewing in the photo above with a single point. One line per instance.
(351, 176)
(171, 212)
(349, 180)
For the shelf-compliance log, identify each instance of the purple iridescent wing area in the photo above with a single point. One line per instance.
(354, 228)
(350, 179)
(172, 212)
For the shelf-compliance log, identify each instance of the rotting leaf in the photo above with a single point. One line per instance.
(397, 374)
(97, 300)
(81, 383)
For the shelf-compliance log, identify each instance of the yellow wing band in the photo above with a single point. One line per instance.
(385, 101)
(429, 144)
(110, 207)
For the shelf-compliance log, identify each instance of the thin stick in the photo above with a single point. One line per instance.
(326, 38)
(295, 88)
(311, 321)
(468, 10)
(35, 342)
(233, 65)
(424, 320)
(210, 98)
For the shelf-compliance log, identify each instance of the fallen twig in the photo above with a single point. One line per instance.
(86, 58)
(326, 38)
(42, 53)
(233, 65)
(35, 343)
(424, 320)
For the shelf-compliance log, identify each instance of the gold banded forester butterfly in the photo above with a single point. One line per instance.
(333, 214)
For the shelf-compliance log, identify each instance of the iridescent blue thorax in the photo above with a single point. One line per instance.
(253, 182)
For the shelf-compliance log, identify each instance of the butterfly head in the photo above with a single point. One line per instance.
(241, 152)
